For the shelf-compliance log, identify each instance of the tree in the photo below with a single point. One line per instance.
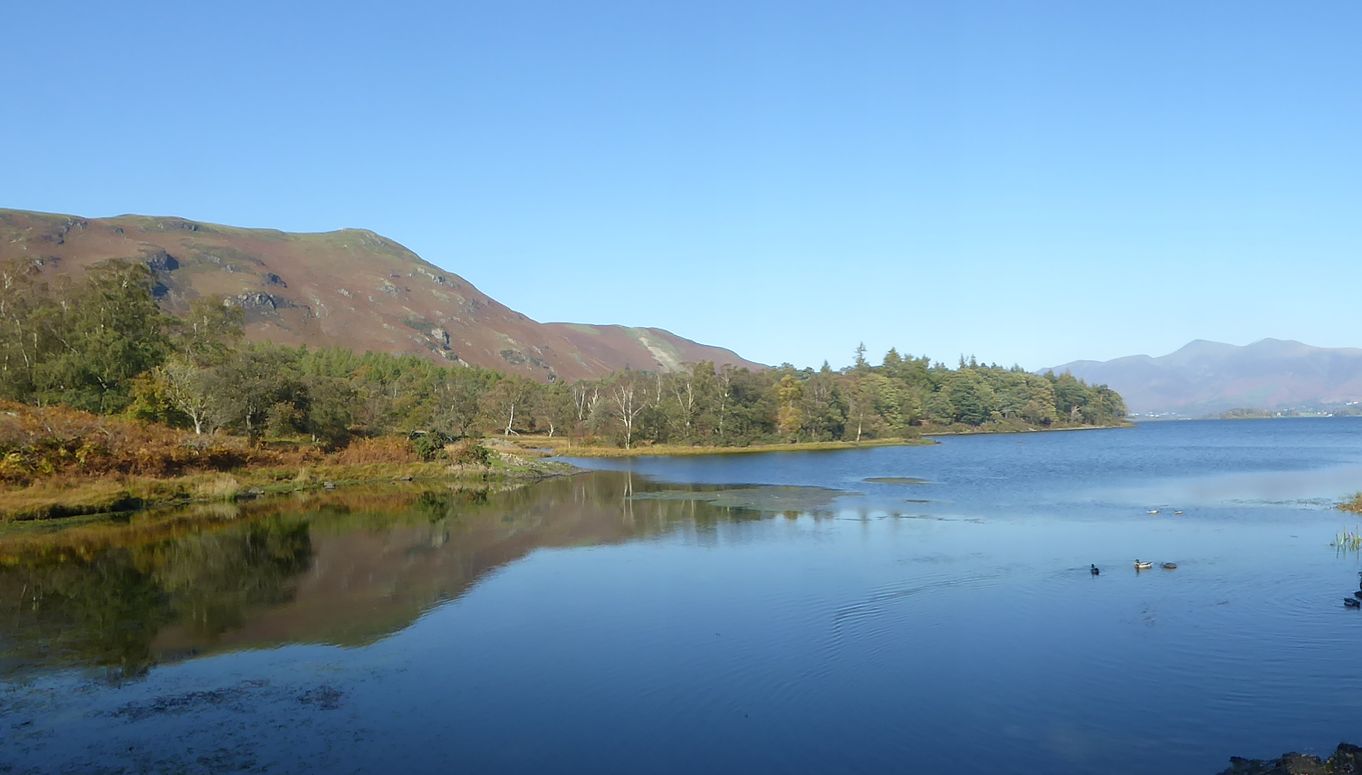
(21, 296)
(626, 403)
(330, 407)
(456, 401)
(187, 389)
(99, 334)
(971, 396)
(554, 407)
(510, 399)
(938, 408)
(250, 383)
(789, 413)
(822, 406)
(208, 334)
(1070, 396)
(874, 406)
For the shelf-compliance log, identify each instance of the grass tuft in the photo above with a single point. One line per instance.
(222, 487)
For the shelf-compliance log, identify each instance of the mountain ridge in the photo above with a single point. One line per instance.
(349, 287)
(1206, 377)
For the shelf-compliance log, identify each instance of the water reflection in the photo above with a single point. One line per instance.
(100, 598)
(335, 568)
(725, 614)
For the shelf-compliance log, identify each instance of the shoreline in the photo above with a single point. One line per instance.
(522, 461)
(108, 496)
(560, 447)
(1001, 432)
(549, 448)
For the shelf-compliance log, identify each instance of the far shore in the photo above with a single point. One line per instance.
(558, 447)
(1000, 431)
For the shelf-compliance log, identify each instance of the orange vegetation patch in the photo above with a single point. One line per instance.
(384, 449)
(46, 442)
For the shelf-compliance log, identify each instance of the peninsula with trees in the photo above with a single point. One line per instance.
(118, 392)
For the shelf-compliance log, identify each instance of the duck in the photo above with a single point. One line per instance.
(1170, 566)
(1096, 571)
(1352, 602)
(1152, 512)
(1143, 565)
(1177, 513)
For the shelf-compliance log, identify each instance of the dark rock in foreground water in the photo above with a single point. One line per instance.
(1347, 759)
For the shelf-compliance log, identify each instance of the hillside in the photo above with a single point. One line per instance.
(350, 288)
(1205, 378)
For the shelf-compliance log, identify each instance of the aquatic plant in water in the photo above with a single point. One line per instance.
(1348, 539)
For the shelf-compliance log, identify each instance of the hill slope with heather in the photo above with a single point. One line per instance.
(350, 288)
(1205, 378)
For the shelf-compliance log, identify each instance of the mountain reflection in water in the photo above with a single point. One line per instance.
(340, 568)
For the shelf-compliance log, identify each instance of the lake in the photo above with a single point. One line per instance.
(894, 608)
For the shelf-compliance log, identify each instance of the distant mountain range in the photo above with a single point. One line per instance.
(1206, 378)
(351, 288)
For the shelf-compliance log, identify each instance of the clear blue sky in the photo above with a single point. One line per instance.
(1031, 182)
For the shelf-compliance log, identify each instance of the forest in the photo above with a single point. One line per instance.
(102, 343)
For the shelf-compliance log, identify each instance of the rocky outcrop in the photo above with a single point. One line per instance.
(1346, 760)
(161, 261)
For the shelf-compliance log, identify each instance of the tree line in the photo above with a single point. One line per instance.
(101, 343)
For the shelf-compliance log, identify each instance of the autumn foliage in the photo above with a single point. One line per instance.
(41, 442)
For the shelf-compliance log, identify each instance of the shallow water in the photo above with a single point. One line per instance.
(666, 615)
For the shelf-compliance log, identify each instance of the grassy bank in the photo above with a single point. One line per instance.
(57, 462)
(119, 493)
(1353, 504)
(558, 446)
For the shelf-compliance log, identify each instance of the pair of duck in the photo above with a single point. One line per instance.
(1146, 565)
(1155, 512)
(1139, 565)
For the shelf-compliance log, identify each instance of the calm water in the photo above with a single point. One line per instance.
(667, 616)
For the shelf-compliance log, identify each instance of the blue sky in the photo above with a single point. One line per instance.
(1031, 182)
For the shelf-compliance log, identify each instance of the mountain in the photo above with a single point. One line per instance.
(1205, 378)
(351, 288)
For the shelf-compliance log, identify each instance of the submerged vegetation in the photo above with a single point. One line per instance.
(103, 386)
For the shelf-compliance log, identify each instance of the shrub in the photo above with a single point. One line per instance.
(430, 445)
(471, 452)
